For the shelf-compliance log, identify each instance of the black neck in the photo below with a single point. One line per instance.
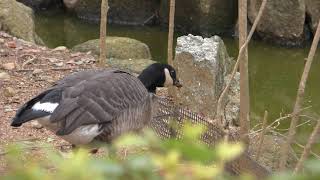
(153, 77)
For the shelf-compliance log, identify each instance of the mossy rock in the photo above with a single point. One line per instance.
(118, 48)
(282, 21)
(18, 20)
(131, 65)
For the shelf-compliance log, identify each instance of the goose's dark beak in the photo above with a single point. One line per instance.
(177, 83)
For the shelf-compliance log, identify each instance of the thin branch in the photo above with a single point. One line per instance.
(47, 69)
(241, 51)
(301, 124)
(312, 153)
(29, 60)
(273, 126)
(313, 137)
(299, 99)
(263, 132)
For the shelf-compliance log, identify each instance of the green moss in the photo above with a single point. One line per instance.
(118, 48)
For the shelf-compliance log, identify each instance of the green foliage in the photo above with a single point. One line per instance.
(311, 172)
(136, 157)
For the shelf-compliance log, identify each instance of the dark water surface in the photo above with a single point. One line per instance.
(274, 71)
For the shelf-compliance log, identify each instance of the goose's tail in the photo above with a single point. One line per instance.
(40, 106)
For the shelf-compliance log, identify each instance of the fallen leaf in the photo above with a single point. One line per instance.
(52, 60)
(8, 66)
(77, 54)
(11, 44)
(58, 64)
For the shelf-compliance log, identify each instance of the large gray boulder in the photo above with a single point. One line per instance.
(207, 17)
(118, 48)
(313, 10)
(133, 12)
(282, 21)
(18, 20)
(203, 65)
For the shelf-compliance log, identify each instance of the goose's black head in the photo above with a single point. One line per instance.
(159, 75)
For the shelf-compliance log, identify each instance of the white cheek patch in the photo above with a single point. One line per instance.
(47, 106)
(169, 80)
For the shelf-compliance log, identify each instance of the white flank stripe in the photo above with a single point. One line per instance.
(47, 106)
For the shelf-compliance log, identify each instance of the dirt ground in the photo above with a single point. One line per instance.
(25, 71)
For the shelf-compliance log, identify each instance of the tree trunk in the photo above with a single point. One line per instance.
(244, 80)
(295, 114)
(171, 31)
(103, 32)
(171, 90)
(219, 110)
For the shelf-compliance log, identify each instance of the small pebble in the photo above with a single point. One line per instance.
(37, 71)
(4, 76)
(36, 125)
(60, 48)
(9, 92)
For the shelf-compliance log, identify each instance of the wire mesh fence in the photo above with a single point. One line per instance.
(170, 118)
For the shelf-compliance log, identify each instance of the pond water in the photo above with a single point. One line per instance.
(274, 71)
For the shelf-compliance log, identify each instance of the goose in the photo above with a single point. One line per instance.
(97, 104)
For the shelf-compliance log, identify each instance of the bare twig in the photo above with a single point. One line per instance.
(263, 132)
(47, 69)
(299, 99)
(32, 58)
(301, 124)
(241, 51)
(311, 152)
(313, 137)
(59, 69)
(277, 122)
(296, 143)
(285, 117)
